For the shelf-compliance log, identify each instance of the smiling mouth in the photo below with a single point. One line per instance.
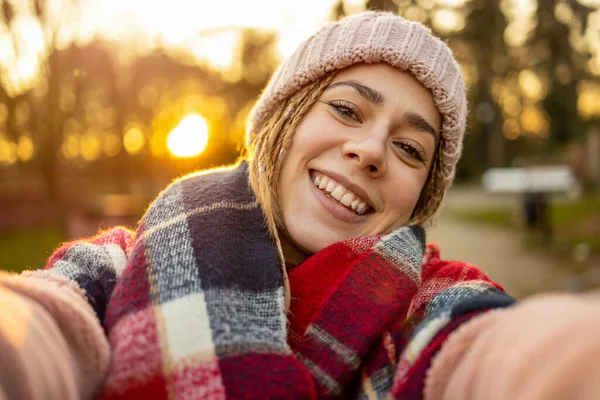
(338, 193)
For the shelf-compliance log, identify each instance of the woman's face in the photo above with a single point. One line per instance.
(359, 158)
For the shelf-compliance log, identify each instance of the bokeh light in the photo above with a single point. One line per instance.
(511, 129)
(447, 21)
(189, 138)
(511, 105)
(8, 151)
(25, 148)
(90, 147)
(531, 85)
(588, 103)
(70, 147)
(535, 122)
(104, 102)
(134, 140)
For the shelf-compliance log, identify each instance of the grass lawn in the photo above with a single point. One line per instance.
(570, 212)
(500, 217)
(572, 223)
(28, 248)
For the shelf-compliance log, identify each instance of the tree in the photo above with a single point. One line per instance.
(484, 33)
(255, 60)
(562, 63)
(338, 11)
(49, 116)
(382, 5)
(6, 98)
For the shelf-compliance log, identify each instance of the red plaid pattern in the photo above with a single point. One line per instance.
(193, 303)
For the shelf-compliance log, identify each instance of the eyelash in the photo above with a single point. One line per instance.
(346, 110)
(411, 150)
(350, 112)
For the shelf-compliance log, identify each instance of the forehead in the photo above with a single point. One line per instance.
(399, 89)
(381, 76)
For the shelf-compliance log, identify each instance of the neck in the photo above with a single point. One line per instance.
(291, 253)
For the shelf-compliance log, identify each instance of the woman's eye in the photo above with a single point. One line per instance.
(412, 151)
(345, 110)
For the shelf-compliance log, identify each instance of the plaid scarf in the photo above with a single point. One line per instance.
(193, 306)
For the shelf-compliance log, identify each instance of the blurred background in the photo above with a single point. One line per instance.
(104, 102)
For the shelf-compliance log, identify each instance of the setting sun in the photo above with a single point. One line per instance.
(189, 138)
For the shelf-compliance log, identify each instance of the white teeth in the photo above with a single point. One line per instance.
(347, 199)
(337, 193)
(323, 183)
(361, 208)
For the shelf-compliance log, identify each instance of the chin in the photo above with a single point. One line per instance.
(311, 243)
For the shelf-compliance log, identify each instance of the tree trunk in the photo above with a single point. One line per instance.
(51, 145)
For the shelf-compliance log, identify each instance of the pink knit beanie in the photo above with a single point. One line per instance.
(374, 37)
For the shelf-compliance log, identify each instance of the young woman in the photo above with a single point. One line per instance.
(299, 273)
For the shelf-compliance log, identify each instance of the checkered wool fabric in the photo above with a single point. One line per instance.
(193, 303)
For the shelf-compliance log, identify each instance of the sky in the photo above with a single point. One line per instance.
(183, 19)
(208, 33)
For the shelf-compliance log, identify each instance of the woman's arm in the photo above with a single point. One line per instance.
(451, 294)
(94, 264)
(546, 347)
(52, 344)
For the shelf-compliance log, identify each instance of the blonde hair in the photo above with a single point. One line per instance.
(433, 191)
(273, 137)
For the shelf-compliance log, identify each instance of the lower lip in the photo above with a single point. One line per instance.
(335, 208)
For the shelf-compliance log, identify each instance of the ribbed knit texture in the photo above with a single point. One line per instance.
(376, 37)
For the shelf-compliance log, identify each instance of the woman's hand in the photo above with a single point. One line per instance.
(51, 344)
(546, 347)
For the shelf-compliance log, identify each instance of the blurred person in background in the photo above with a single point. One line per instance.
(302, 271)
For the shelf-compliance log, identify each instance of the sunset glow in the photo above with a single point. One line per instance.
(189, 138)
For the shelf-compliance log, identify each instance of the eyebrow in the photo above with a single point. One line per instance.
(374, 96)
(368, 93)
(420, 123)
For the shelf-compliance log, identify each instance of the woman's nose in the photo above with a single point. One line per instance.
(368, 154)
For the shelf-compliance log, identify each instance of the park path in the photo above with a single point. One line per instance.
(500, 253)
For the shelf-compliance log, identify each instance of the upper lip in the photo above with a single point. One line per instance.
(348, 185)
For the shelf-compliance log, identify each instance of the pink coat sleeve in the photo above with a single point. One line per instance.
(546, 347)
(52, 342)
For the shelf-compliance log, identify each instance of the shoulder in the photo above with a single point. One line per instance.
(222, 179)
(435, 267)
(201, 189)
